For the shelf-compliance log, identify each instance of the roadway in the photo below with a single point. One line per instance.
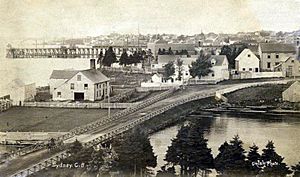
(177, 97)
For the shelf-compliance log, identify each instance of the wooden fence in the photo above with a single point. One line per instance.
(80, 105)
(5, 104)
(94, 125)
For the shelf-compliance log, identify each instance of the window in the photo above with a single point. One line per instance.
(249, 55)
(292, 61)
(54, 88)
(269, 65)
(250, 69)
(86, 86)
(269, 56)
(212, 74)
(78, 77)
(72, 86)
(276, 63)
(256, 69)
(58, 94)
(277, 55)
(244, 69)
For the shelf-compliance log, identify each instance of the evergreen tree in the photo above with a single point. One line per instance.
(201, 67)
(109, 57)
(169, 70)
(179, 64)
(274, 165)
(100, 58)
(189, 150)
(124, 58)
(135, 153)
(199, 157)
(231, 159)
(296, 170)
(252, 159)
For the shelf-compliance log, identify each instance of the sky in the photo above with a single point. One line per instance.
(21, 19)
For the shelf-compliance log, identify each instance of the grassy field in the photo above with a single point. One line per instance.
(256, 96)
(48, 119)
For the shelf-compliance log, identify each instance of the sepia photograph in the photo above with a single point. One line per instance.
(150, 88)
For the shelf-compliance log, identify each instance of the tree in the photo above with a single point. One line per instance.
(296, 170)
(170, 52)
(169, 69)
(96, 161)
(189, 150)
(124, 58)
(135, 153)
(231, 158)
(109, 57)
(100, 58)
(252, 158)
(201, 67)
(226, 50)
(179, 64)
(274, 165)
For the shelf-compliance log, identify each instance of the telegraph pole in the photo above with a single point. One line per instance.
(108, 99)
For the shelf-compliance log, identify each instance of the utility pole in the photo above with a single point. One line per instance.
(108, 99)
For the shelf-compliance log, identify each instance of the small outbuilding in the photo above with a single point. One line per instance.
(292, 94)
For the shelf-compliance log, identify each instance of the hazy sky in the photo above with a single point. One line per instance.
(73, 18)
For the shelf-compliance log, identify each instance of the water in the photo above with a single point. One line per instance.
(283, 131)
(36, 70)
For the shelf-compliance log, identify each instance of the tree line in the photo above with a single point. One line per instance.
(189, 150)
(132, 155)
(110, 57)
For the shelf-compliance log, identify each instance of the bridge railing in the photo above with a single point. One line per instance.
(115, 132)
(96, 124)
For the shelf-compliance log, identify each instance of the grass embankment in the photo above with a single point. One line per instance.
(257, 96)
(48, 119)
(175, 115)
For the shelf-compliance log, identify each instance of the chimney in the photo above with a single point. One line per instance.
(92, 64)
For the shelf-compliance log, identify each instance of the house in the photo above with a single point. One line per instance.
(158, 80)
(247, 61)
(219, 68)
(292, 94)
(271, 54)
(290, 67)
(18, 92)
(79, 85)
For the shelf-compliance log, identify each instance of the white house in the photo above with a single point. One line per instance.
(79, 85)
(219, 68)
(18, 91)
(247, 61)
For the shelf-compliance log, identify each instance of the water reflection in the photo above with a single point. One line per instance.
(258, 129)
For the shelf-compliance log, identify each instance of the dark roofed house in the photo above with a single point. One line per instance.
(271, 54)
(79, 85)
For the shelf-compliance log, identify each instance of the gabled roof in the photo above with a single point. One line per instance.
(243, 53)
(274, 47)
(295, 85)
(95, 75)
(63, 74)
(164, 59)
(219, 59)
(92, 74)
